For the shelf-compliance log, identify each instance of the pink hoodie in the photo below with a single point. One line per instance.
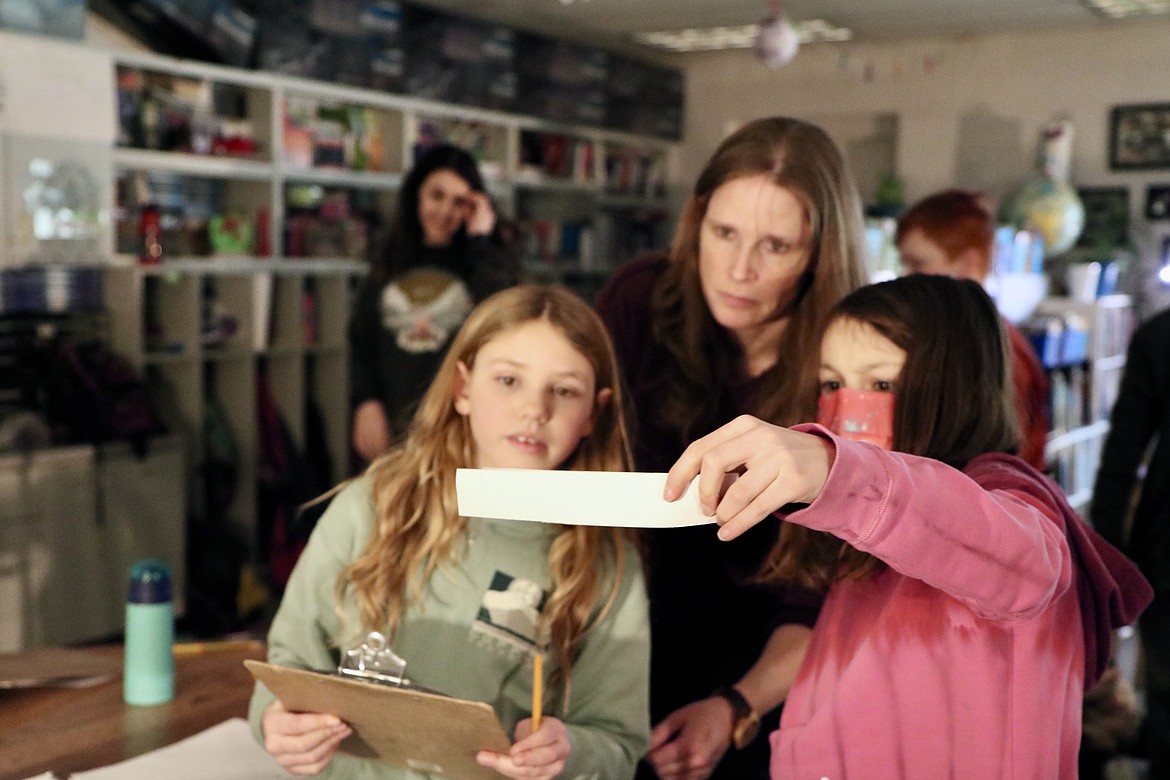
(966, 658)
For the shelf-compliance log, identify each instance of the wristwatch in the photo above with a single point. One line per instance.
(746, 725)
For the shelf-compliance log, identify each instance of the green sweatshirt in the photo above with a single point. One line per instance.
(472, 637)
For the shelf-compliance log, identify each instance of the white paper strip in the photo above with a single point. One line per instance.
(610, 498)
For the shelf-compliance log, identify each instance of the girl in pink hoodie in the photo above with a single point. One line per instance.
(968, 607)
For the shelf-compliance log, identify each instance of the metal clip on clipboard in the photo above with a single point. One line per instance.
(374, 661)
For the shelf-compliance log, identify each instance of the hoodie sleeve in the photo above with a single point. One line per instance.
(1002, 551)
(302, 631)
(999, 536)
(608, 722)
(1110, 588)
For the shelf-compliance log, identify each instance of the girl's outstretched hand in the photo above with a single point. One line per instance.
(770, 466)
(302, 742)
(541, 754)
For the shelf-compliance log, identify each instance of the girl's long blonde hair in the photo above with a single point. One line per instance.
(418, 527)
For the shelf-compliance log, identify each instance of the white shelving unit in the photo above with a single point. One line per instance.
(161, 313)
(159, 322)
(612, 170)
(1084, 391)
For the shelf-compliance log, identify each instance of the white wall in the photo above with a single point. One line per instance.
(1020, 80)
(968, 112)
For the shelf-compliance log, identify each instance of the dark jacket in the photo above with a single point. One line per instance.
(1141, 414)
(399, 330)
(708, 623)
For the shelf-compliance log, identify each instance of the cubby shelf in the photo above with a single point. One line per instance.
(203, 166)
(317, 159)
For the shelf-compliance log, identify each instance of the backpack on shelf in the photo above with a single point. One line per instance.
(217, 552)
(286, 481)
(92, 394)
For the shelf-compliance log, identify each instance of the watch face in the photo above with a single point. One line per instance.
(746, 730)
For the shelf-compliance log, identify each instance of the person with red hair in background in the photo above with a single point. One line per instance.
(952, 233)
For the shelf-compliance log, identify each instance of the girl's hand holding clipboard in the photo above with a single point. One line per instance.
(536, 754)
(302, 742)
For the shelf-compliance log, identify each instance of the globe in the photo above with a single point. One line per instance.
(1049, 206)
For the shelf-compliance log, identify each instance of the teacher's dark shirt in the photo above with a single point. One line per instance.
(708, 622)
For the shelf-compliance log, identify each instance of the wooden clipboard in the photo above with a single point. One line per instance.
(425, 732)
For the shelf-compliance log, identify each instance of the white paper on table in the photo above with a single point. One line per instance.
(226, 751)
(607, 498)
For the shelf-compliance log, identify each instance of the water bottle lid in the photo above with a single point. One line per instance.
(150, 582)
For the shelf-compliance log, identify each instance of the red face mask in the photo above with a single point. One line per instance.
(859, 415)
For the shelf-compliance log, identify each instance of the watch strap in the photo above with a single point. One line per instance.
(739, 705)
(746, 724)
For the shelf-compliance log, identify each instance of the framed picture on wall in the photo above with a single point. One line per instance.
(1139, 136)
(1106, 217)
(1158, 202)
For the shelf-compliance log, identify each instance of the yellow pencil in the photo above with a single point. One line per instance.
(218, 646)
(537, 684)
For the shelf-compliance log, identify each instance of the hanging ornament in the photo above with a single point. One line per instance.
(777, 41)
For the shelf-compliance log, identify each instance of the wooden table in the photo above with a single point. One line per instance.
(73, 729)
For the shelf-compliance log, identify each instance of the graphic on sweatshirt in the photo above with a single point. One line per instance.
(509, 615)
(424, 307)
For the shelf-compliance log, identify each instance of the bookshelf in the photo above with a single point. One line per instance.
(229, 216)
(1082, 347)
(298, 172)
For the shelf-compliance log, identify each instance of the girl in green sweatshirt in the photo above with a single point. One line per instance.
(529, 382)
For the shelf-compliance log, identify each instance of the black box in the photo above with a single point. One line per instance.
(645, 99)
(459, 60)
(561, 82)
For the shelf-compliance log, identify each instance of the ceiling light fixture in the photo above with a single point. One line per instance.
(740, 37)
(1118, 9)
(776, 43)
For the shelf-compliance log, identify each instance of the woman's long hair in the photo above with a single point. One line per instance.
(954, 400)
(418, 527)
(403, 245)
(801, 158)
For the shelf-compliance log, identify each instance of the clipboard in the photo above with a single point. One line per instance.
(402, 726)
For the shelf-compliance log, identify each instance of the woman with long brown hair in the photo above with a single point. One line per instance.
(444, 252)
(729, 322)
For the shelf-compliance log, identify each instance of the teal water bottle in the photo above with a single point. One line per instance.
(149, 673)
